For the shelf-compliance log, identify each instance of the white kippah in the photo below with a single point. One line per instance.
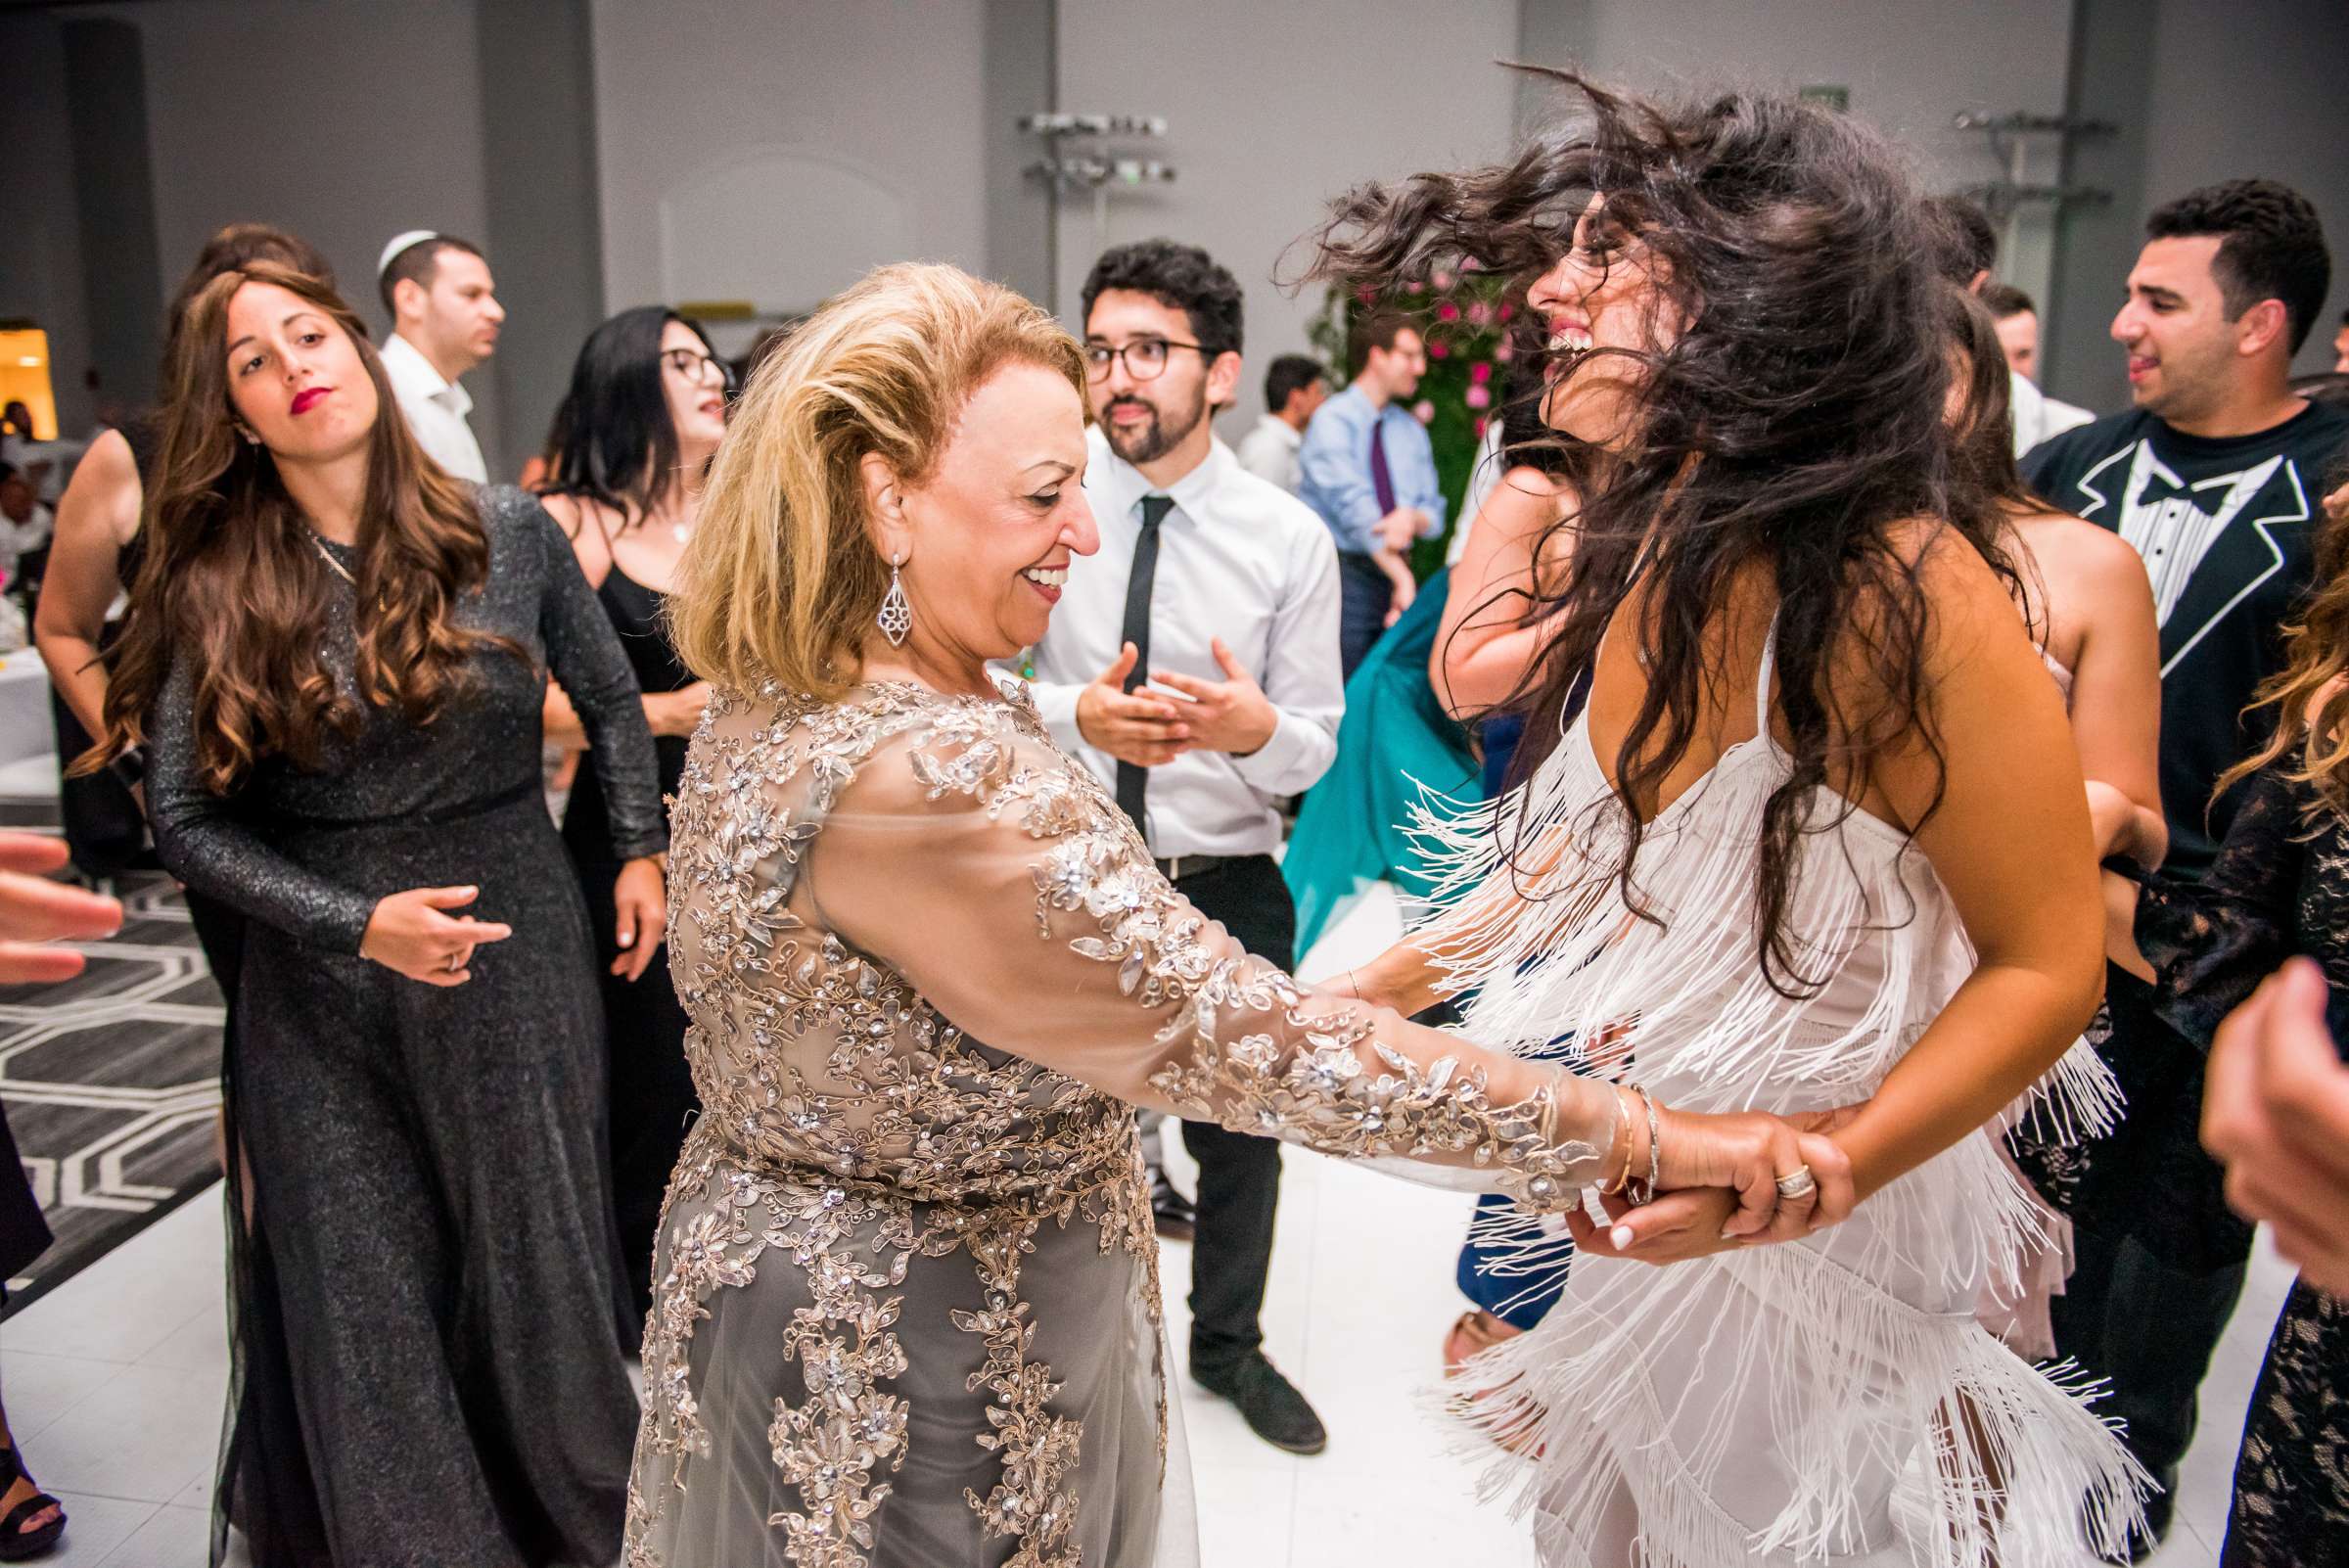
(400, 243)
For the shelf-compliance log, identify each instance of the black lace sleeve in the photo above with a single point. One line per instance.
(2211, 942)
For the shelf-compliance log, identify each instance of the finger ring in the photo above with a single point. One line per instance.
(1797, 1183)
(457, 961)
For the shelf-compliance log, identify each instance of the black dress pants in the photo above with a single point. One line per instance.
(1364, 595)
(1239, 1175)
(2161, 1259)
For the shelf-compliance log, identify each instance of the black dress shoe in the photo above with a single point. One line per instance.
(1176, 1220)
(1269, 1403)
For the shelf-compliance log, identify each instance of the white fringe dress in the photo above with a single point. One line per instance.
(1832, 1400)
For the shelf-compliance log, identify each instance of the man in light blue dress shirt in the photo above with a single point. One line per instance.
(1369, 472)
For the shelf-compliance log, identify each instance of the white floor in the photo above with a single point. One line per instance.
(115, 1385)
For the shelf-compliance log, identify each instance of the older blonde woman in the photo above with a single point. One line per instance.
(905, 1308)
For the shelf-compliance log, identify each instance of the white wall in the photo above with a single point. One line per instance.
(1272, 108)
(1911, 67)
(2242, 90)
(775, 153)
(345, 120)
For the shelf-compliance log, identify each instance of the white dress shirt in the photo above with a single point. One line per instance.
(436, 408)
(1237, 559)
(1270, 451)
(2038, 416)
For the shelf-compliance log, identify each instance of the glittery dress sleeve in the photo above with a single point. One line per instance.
(2211, 942)
(203, 841)
(584, 654)
(998, 876)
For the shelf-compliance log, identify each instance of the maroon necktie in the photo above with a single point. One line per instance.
(1382, 482)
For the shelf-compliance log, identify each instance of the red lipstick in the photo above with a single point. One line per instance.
(309, 397)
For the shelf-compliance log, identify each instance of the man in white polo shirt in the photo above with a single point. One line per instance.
(444, 321)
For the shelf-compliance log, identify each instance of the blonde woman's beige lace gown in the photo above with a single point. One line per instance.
(905, 1309)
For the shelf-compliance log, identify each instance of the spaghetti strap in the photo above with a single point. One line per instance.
(1770, 659)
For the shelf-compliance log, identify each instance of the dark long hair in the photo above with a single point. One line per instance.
(231, 585)
(614, 442)
(1793, 428)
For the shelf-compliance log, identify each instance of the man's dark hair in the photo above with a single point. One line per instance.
(417, 263)
(2271, 247)
(1374, 332)
(2004, 300)
(1966, 242)
(1290, 373)
(1183, 278)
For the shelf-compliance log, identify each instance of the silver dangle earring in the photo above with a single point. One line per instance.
(897, 616)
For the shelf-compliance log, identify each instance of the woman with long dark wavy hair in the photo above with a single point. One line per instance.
(645, 412)
(1815, 844)
(335, 662)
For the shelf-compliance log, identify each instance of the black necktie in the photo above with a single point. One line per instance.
(1134, 781)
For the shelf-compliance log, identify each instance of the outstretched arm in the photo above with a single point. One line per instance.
(1005, 886)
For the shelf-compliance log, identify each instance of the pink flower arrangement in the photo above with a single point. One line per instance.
(1502, 354)
(1480, 372)
(1447, 311)
(1505, 312)
(1480, 396)
(1437, 349)
(1481, 422)
(1442, 281)
(1423, 411)
(1479, 312)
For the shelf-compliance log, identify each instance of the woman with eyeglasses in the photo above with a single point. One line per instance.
(643, 417)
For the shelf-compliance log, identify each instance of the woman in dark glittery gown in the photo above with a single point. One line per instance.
(2279, 887)
(646, 409)
(336, 664)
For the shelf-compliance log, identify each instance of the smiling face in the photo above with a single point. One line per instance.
(2182, 358)
(1603, 294)
(988, 536)
(295, 378)
(695, 388)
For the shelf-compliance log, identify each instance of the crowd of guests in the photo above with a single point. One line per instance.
(301, 641)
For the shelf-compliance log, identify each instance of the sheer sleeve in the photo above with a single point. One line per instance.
(203, 841)
(2212, 941)
(1004, 885)
(584, 654)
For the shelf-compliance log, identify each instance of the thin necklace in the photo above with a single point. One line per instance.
(328, 556)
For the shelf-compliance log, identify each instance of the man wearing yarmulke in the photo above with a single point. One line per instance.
(444, 320)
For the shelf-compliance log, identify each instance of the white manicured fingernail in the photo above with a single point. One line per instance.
(1727, 1234)
(628, 941)
(1622, 1237)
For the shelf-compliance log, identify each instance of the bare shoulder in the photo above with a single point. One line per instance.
(2083, 554)
(106, 489)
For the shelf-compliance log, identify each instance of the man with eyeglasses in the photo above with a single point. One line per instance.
(1370, 472)
(1193, 665)
(446, 318)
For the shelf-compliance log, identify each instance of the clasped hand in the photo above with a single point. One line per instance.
(1719, 1179)
(1148, 727)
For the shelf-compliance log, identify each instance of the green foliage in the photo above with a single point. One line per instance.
(1463, 317)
